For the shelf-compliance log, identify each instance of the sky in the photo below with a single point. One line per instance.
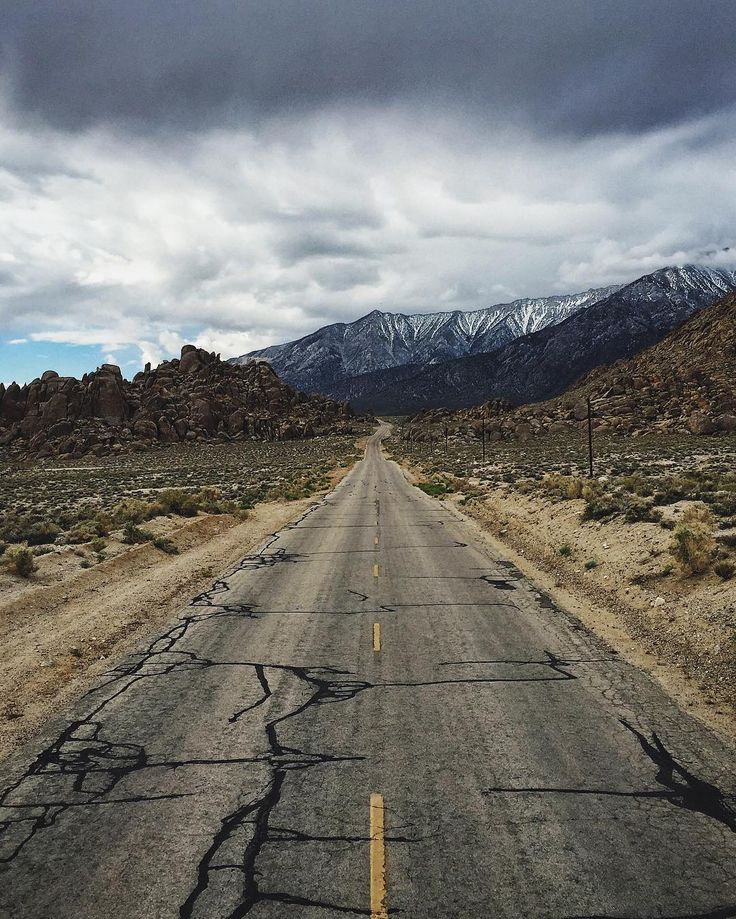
(238, 173)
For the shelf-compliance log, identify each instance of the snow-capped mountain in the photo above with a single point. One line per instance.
(322, 361)
(545, 363)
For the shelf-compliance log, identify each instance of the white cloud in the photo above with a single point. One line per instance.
(18, 341)
(236, 239)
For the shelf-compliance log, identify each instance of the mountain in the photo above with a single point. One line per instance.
(325, 360)
(685, 383)
(197, 397)
(545, 363)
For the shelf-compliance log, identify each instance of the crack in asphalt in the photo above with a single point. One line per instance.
(257, 813)
(686, 790)
(681, 788)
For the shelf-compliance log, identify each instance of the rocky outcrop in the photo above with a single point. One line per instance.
(684, 384)
(196, 397)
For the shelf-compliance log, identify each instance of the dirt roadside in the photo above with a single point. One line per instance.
(58, 638)
(681, 631)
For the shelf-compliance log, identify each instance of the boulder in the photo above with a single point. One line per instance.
(699, 423)
(726, 423)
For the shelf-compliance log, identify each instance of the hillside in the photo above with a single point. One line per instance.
(683, 383)
(546, 363)
(196, 397)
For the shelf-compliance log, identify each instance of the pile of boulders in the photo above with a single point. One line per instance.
(194, 398)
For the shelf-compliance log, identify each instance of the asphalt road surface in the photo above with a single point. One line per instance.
(264, 758)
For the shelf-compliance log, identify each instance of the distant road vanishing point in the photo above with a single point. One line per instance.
(372, 716)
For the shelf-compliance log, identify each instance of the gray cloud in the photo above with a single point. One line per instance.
(240, 173)
(575, 65)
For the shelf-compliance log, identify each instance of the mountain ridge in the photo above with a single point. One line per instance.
(525, 350)
(543, 364)
(323, 360)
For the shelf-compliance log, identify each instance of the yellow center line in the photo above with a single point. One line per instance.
(379, 908)
(376, 636)
(375, 540)
(375, 571)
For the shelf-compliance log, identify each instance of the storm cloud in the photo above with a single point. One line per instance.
(240, 173)
(575, 65)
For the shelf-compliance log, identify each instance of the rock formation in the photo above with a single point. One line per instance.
(196, 397)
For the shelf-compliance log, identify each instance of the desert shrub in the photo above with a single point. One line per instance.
(42, 533)
(599, 507)
(575, 487)
(97, 545)
(86, 531)
(132, 534)
(179, 501)
(211, 501)
(566, 487)
(24, 528)
(637, 484)
(638, 511)
(435, 489)
(565, 550)
(724, 504)
(20, 561)
(590, 564)
(85, 563)
(692, 546)
(135, 510)
(590, 491)
(165, 545)
(698, 513)
(725, 570)
(42, 550)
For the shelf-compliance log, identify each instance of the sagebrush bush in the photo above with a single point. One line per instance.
(698, 513)
(179, 501)
(132, 534)
(20, 561)
(725, 570)
(135, 510)
(15, 528)
(165, 545)
(693, 546)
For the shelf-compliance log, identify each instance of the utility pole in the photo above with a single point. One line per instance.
(590, 437)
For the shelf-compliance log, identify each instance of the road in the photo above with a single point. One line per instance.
(263, 757)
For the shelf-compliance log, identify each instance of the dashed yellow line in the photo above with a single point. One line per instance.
(376, 571)
(376, 636)
(379, 907)
(375, 540)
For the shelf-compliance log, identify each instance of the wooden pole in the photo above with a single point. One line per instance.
(590, 437)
